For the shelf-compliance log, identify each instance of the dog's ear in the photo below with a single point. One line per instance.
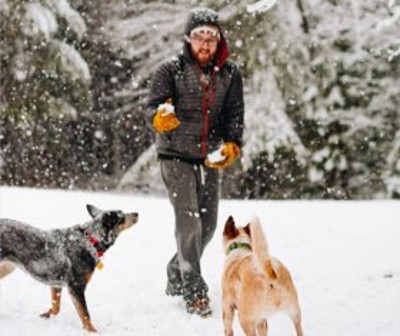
(93, 211)
(247, 229)
(230, 230)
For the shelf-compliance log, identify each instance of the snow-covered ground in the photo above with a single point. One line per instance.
(344, 258)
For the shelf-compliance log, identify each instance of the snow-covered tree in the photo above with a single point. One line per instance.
(42, 75)
(333, 65)
(321, 89)
(41, 69)
(320, 92)
(389, 46)
(354, 83)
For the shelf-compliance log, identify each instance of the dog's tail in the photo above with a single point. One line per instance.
(260, 248)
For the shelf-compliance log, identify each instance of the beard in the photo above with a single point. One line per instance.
(203, 56)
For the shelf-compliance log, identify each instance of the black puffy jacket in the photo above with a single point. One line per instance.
(209, 114)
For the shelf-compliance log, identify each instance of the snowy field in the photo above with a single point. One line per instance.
(344, 258)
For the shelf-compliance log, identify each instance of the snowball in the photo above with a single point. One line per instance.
(169, 109)
(216, 156)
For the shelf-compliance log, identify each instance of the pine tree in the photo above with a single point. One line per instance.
(336, 72)
(43, 77)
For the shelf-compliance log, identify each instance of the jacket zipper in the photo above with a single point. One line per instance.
(205, 108)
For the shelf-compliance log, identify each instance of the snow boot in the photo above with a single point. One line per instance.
(174, 288)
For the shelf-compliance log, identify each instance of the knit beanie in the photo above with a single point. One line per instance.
(201, 16)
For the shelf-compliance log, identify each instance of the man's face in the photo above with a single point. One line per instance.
(203, 47)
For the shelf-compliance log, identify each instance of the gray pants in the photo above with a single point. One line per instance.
(193, 190)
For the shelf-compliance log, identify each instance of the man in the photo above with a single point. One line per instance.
(196, 107)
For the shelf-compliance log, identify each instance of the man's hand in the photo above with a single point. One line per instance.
(228, 153)
(165, 119)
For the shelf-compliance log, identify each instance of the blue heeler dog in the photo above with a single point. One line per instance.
(62, 257)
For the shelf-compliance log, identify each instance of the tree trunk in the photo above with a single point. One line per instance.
(305, 12)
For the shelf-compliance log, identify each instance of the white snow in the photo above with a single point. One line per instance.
(261, 6)
(343, 256)
(39, 20)
(270, 126)
(169, 109)
(73, 17)
(216, 156)
(72, 61)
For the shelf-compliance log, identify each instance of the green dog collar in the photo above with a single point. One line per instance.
(237, 245)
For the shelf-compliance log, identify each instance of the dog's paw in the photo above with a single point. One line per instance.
(46, 315)
(90, 329)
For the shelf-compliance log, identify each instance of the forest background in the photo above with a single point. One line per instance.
(321, 92)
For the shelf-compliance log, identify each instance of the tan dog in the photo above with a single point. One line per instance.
(254, 283)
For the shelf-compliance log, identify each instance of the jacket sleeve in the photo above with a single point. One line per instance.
(234, 110)
(162, 87)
